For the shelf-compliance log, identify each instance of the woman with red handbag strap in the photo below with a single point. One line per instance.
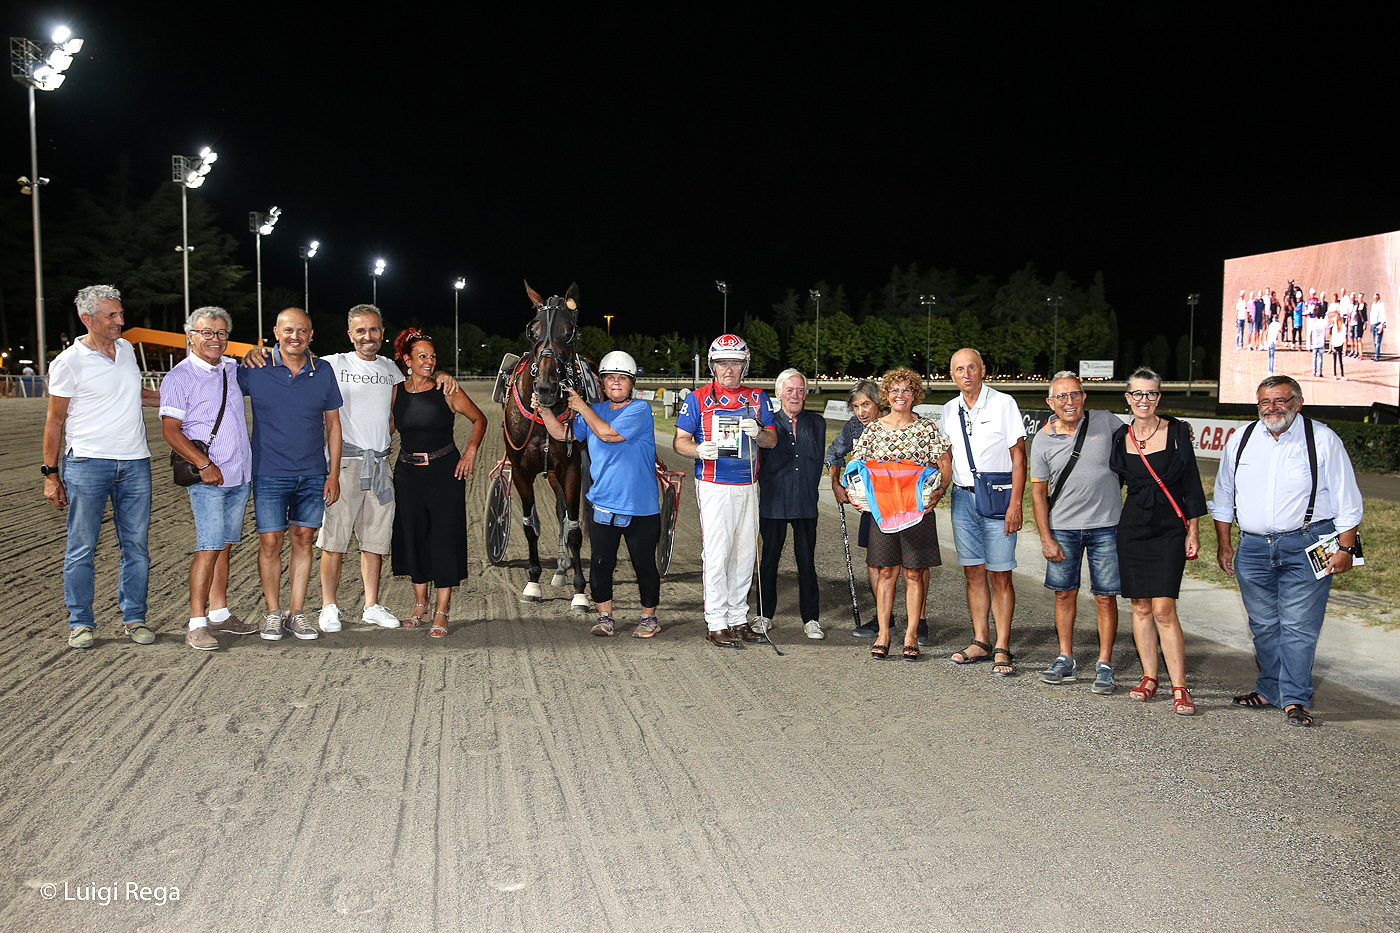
(1158, 531)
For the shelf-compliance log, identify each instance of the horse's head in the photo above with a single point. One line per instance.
(553, 339)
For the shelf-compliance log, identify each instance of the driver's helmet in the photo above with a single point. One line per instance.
(729, 347)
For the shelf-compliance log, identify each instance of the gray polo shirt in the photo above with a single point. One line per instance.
(1093, 498)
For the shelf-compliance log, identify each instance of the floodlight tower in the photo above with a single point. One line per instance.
(724, 290)
(928, 301)
(817, 345)
(1192, 300)
(262, 224)
(374, 275)
(189, 172)
(40, 68)
(306, 253)
(457, 287)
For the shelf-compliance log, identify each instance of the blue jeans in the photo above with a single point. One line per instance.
(980, 540)
(282, 500)
(218, 515)
(1102, 545)
(1271, 359)
(1239, 334)
(1317, 360)
(1376, 334)
(1286, 605)
(90, 483)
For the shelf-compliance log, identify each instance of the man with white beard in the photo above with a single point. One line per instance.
(1289, 486)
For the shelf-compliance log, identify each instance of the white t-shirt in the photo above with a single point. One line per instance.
(104, 408)
(994, 425)
(367, 390)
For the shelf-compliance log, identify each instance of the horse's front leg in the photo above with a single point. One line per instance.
(573, 487)
(531, 521)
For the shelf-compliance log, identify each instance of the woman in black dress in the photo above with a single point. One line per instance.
(1158, 531)
(430, 517)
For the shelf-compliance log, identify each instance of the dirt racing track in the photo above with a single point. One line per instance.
(521, 774)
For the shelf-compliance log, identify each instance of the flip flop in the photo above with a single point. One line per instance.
(962, 657)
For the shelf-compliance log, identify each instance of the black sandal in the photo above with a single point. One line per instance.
(880, 651)
(1007, 663)
(1251, 701)
(962, 657)
(1299, 715)
(911, 652)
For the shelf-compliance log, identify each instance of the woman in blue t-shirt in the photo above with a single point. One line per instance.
(621, 442)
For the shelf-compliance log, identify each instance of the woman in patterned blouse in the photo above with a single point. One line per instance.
(903, 435)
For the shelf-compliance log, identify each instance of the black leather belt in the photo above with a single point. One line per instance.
(966, 488)
(421, 459)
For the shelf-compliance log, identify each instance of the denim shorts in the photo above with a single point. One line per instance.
(980, 540)
(1102, 545)
(282, 500)
(218, 515)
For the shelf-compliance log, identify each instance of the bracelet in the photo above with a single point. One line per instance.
(206, 466)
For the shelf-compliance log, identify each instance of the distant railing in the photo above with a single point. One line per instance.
(34, 386)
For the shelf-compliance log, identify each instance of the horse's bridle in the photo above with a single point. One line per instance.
(546, 318)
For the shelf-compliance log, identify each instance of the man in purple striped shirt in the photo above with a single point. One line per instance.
(191, 396)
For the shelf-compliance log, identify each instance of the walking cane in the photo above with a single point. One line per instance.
(757, 555)
(850, 571)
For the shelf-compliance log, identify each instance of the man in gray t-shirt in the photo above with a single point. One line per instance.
(1084, 518)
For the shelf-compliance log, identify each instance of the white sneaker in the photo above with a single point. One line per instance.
(330, 618)
(814, 630)
(761, 624)
(378, 615)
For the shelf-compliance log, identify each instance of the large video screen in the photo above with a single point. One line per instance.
(1320, 309)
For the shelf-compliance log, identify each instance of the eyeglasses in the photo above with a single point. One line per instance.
(1266, 404)
(729, 364)
(1066, 397)
(1139, 396)
(206, 334)
(900, 390)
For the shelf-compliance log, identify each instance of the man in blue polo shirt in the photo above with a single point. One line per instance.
(295, 404)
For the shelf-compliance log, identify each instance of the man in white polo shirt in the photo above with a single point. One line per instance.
(94, 420)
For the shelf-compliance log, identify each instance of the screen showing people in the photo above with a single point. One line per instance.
(1316, 313)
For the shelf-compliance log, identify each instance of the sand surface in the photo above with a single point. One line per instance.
(524, 775)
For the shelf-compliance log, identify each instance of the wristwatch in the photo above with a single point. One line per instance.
(1353, 549)
(48, 470)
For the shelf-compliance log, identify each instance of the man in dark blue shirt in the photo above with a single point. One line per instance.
(296, 403)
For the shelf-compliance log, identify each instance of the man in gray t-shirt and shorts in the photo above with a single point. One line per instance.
(1084, 518)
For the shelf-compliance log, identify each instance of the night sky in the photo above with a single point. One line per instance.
(646, 154)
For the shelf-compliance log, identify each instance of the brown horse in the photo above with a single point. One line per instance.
(551, 364)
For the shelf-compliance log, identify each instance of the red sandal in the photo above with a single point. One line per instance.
(1142, 692)
(1181, 702)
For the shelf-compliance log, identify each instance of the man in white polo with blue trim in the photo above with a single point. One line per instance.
(986, 547)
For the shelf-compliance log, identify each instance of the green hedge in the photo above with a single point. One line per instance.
(1374, 448)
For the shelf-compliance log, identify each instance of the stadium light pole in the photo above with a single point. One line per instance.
(928, 301)
(1056, 302)
(457, 287)
(306, 253)
(374, 275)
(817, 344)
(724, 290)
(40, 67)
(1192, 300)
(189, 172)
(261, 225)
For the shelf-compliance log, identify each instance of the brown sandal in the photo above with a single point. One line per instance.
(963, 656)
(1003, 668)
(439, 630)
(1142, 692)
(880, 651)
(416, 618)
(911, 652)
(1181, 702)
